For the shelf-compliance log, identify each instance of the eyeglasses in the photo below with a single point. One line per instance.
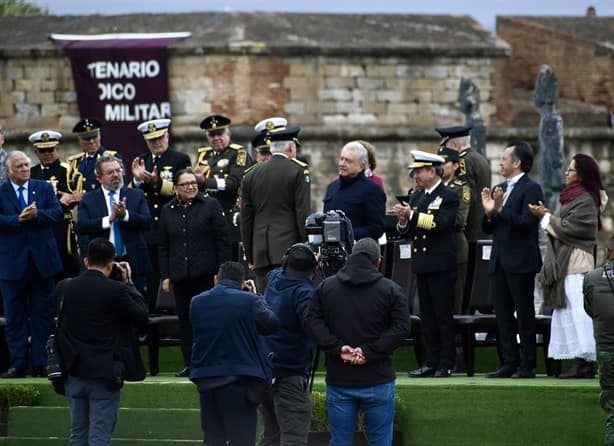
(187, 185)
(46, 150)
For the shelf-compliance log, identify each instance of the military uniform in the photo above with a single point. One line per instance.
(599, 304)
(475, 170)
(431, 229)
(461, 187)
(81, 173)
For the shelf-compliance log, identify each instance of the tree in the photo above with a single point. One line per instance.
(20, 7)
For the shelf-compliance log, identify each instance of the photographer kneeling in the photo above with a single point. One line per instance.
(98, 318)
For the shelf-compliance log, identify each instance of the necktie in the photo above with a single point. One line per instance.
(21, 198)
(508, 190)
(117, 236)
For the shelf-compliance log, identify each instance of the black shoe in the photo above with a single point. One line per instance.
(14, 373)
(183, 373)
(39, 372)
(505, 371)
(524, 373)
(422, 372)
(443, 373)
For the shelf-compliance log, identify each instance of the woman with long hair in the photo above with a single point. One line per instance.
(572, 237)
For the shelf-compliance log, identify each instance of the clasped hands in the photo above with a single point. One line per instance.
(402, 212)
(30, 212)
(353, 355)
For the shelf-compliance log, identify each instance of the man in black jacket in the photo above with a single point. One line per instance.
(92, 342)
(358, 318)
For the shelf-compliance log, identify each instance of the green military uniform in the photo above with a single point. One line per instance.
(461, 187)
(475, 170)
(599, 304)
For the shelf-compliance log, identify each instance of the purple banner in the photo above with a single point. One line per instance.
(121, 80)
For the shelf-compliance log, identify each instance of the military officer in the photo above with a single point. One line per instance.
(429, 220)
(261, 144)
(55, 172)
(475, 169)
(81, 174)
(153, 173)
(220, 168)
(460, 186)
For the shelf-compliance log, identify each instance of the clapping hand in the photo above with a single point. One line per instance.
(539, 210)
(402, 212)
(141, 174)
(30, 212)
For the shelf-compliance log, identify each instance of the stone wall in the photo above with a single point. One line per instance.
(584, 73)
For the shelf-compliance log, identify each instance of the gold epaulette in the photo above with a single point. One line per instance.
(65, 165)
(78, 156)
(236, 146)
(252, 167)
(463, 153)
(109, 152)
(426, 221)
(300, 163)
(205, 149)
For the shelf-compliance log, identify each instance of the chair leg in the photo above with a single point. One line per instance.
(469, 350)
(418, 348)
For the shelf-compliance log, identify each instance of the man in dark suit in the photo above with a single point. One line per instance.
(430, 218)
(97, 315)
(29, 261)
(55, 172)
(81, 166)
(153, 172)
(275, 201)
(118, 214)
(515, 259)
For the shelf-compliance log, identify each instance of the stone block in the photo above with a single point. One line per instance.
(38, 72)
(53, 110)
(320, 107)
(340, 82)
(40, 97)
(390, 95)
(335, 94)
(14, 72)
(6, 109)
(347, 107)
(425, 83)
(332, 70)
(419, 96)
(294, 107)
(409, 71)
(370, 83)
(395, 83)
(352, 70)
(361, 118)
(392, 120)
(6, 85)
(26, 84)
(436, 72)
(293, 82)
(445, 96)
(402, 109)
(27, 111)
(13, 97)
(299, 67)
(374, 70)
(375, 108)
(66, 96)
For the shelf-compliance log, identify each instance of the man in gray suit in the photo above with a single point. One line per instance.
(275, 201)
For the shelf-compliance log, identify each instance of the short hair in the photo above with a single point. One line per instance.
(100, 252)
(181, 172)
(370, 153)
(299, 259)
(522, 152)
(12, 154)
(106, 159)
(230, 270)
(358, 149)
(439, 170)
(279, 146)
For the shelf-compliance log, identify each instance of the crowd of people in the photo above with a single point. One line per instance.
(200, 231)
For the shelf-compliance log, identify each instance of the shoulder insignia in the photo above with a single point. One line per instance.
(462, 168)
(204, 149)
(109, 152)
(300, 163)
(463, 153)
(241, 157)
(466, 195)
(65, 165)
(76, 157)
(236, 146)
(252, 167)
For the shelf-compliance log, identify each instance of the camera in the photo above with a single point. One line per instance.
(331, 235)
(54, 362)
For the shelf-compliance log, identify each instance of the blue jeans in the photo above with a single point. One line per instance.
(93, 411)
(377, 403)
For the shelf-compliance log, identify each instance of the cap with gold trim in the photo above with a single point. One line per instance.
(214, 123)
(87, 128)
(449, 154)
(45, 139)
(425, 159)
(271, 125)
(155, 128)
(453, 132)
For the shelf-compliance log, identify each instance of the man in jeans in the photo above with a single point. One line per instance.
(286, 410)
(358, 318)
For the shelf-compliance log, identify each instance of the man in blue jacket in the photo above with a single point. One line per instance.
(286, 410)
(229, 365)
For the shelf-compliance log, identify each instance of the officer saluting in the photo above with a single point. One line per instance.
(82, 176)
(153, 173)
(53, 171)
(429, 219)
(220, 169)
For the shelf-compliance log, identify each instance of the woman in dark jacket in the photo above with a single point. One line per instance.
(194, 242)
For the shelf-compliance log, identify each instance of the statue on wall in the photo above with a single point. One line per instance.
(551, 164)
(469, 97)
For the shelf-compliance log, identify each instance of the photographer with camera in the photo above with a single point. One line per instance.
(96, 342)
(229, 363)
(286, 410)
(358, 317)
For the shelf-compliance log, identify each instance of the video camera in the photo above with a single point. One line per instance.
(330, 234)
